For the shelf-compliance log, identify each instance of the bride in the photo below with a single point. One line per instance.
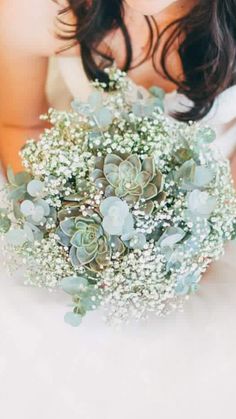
(164, 368)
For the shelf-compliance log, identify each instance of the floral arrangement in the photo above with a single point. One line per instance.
(119, 205)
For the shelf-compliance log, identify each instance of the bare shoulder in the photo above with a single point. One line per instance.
(31, 26)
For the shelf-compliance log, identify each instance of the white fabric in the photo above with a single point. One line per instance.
(222, 117)
(180, 367)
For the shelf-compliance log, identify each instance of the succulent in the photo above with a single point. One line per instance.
(130, 179)
(87, 241)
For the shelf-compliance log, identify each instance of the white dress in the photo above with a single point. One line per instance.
(180, 367)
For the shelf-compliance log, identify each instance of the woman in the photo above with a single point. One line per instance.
(189, 45)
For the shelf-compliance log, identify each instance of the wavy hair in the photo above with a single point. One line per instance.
(207, 46)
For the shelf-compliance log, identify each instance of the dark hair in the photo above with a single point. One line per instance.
(207, 49)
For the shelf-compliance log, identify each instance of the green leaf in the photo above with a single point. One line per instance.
(22, 178)
(69, 212)
(68, 226)
(112, 159)
(17, 193)
(149, 166)
(16, 237)
(203, 176)
(74, 285)
(5, 222)
(73, 319)
(157, 92)
(104, 117)
(11, 176)
(149, 191)
(186, 172)
(205, 135)
(35, 188)
(63, 239)
(73, 257)
(171, 236)
(16, 211)
(95, 99)
(28, 232)
(27, 207)
(183, 154)
(43, 203)
(201, 203)
(85, 257)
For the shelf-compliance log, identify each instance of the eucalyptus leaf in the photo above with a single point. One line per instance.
(95, 99)
(203, 176)
(73, 319)
(201, 203)
(28, 233)
(205, 135)
(89, 302)
(74, 285)
(16, 237)
(17, 193)
(27, 207)
(186, 172)
(172, 236)
(5, 222)
(35, 188)
(22, 178)
(16, 211)
(11, 176)
(187, 283)
(157, 92)
(104, 117)
(43, 204)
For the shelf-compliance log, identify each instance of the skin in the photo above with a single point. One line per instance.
(150, 7)
(28, 39)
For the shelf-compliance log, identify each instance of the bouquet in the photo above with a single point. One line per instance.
(119, 205)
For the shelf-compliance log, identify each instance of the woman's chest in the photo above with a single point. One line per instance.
(148, 43)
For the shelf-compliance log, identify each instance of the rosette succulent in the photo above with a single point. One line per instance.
(87, 241)
(131, 179)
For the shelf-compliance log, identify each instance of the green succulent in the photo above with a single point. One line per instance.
(71, 205)
(89, 245)
(130, 179)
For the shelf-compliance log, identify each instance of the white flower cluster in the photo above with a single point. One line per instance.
(120, 204)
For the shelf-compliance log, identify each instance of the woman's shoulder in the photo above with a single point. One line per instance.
(32, 26)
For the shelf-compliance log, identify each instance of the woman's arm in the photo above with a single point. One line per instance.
(233, 166)
(27, 39)
(22, 100)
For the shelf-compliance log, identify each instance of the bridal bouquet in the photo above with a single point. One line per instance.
(119, 205)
